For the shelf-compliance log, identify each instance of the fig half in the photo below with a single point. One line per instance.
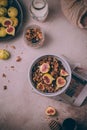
(50, 111)
(60, 82)
(63, 72)
(10, 30)
(7, 22)
(40, 86)
(47, 78)
(44, 68)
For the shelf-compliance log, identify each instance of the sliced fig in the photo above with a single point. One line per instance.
(63, 72)
(44, 68)
(40, 86)
(7, 22)
(47, 78)
(10, 30)
(50, 111)
(60, 82)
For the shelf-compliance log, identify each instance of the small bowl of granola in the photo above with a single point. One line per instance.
(34, 36)
(49, 75)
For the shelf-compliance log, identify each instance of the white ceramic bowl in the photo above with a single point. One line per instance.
(68, 78)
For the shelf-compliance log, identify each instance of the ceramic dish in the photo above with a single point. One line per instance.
(16, 4)
(51, 88)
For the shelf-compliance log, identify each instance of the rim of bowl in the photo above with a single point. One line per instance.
(66, 66)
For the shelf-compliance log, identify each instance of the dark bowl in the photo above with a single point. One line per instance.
(14, 3)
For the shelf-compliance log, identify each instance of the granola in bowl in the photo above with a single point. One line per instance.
(50, 75)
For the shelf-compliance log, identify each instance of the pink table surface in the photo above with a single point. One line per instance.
(20, 107)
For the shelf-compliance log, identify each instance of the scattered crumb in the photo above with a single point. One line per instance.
(5, 87)
(13, 47)
(12, 66)
(4, 75)
(18, 59)
(21, 52)
(8, 81)
(57, 118)
(6, 67)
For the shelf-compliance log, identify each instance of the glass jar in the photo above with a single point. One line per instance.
(34, 36)
(39, 9)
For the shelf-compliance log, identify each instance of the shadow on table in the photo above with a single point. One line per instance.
(82, 127)
(54, 11)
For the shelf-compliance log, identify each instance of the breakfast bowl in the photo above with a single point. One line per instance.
(49, 75)
(34, 36)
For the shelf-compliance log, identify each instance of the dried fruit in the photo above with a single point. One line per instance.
(50, 111)
(47, 78)
(12, 12)
(3, 3)
(10, 30)
(15, 21)
(44, 68)
(3, 11)
(6, 22)
(63, 72)
(3, 32)
(4, 54)
(60, 82)
(40, 86)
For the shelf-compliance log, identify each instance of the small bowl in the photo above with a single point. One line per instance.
(36, 64)
(34, 36)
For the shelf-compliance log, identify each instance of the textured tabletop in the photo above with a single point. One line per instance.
(20, 107)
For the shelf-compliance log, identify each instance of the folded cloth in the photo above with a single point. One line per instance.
(75, 11)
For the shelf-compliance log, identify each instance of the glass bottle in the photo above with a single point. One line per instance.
(39, 9)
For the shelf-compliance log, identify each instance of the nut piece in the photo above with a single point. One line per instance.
(18, 59)
(50, 111)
